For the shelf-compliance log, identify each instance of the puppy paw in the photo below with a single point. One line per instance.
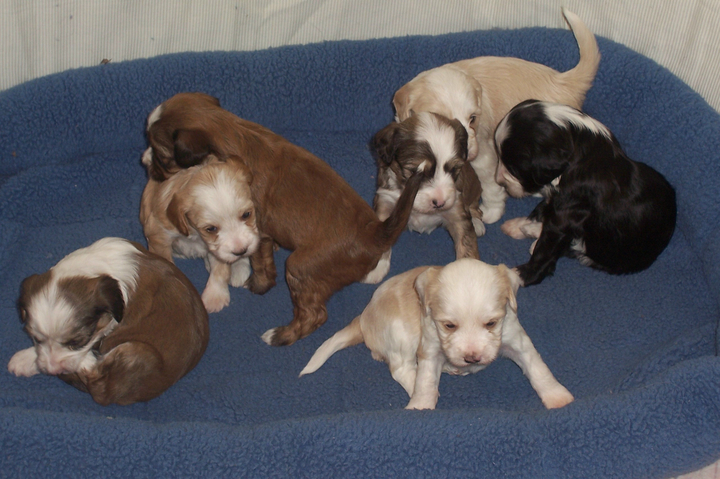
(557, 398)
(532, 247)
(418, 404)
(257, 285)
(215, 300)
(479, 227)
(23, 363)
(380, 271)
(240, 272)
(491, 214)
(514, 227)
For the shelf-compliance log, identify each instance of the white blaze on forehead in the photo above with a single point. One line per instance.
(223, 198)
(52, 313)
(440, 137)
(114, 257)
(562, 115)
(471, 290)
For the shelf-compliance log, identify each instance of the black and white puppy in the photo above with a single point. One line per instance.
(610, 212)
(113, 320)
(450, 198)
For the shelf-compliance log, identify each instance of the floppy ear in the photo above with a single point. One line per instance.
(191, 147)
(109, 296)
(401, 102)
(385, 142)
(176, 215)
(469, 185)
(425, 286)
(511, 282)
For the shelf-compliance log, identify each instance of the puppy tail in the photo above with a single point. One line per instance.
(583, 74)
(346, 337)
(390, 229)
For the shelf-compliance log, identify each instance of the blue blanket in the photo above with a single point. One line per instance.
(638, 352)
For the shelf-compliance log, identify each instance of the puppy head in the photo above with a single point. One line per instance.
(217, 203)
(402, 146)
(468, 301)
(65, 317)
(447, 91)
(177, 135)
(536, 142)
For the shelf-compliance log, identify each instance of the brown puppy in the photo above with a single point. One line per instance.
(113, 320)
(303, 205)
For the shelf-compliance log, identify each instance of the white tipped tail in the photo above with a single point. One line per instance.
(584, 72)
(346, 337)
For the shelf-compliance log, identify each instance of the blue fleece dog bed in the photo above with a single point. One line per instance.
(638, 352)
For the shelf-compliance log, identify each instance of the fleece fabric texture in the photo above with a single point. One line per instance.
(638, 352)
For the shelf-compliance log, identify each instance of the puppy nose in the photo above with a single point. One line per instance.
(473, 358)
(438, 204)
(240, 252)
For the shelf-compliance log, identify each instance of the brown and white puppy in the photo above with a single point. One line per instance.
(207, 212)
(303, 205)
(480, 91)
(450, 198)
(455, 319)
(113, 320)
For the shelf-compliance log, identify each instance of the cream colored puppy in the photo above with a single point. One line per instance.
(205, 211)
(481, 91)
(455, 319)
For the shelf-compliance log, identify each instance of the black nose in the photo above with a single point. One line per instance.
(240, 252)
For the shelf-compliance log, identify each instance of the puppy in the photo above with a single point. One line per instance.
(480, 91)
(303, 205)
(113, 320)
(450, 198)
(455, 319)
(612, 213)
(206, 212)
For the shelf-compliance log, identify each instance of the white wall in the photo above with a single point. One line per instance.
(39, 37)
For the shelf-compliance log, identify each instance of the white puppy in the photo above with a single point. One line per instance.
(455, 319)
(205, 211)
(480, 91)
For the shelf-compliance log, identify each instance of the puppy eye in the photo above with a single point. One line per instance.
(211, 229)
(450, 326)
(491, 324)
(472, 119)
(245, 215)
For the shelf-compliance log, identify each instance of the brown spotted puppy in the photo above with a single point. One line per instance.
(450, 198)
(113, 320)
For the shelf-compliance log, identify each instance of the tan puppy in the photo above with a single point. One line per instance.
(303, 205)
(113, 320)
(481, 91)
(204, 212)
(455, 319)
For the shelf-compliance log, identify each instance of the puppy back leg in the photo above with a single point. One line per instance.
(516, 345)
(264, 272)
(129, 373)
(346, 337)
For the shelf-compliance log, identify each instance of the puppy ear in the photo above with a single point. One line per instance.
(424, 286)
(108, 295)
(401, 102)
(176, 215)
(512, 282)
(191, 147)
(28, 288)
(385, 142)
(469, 185)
